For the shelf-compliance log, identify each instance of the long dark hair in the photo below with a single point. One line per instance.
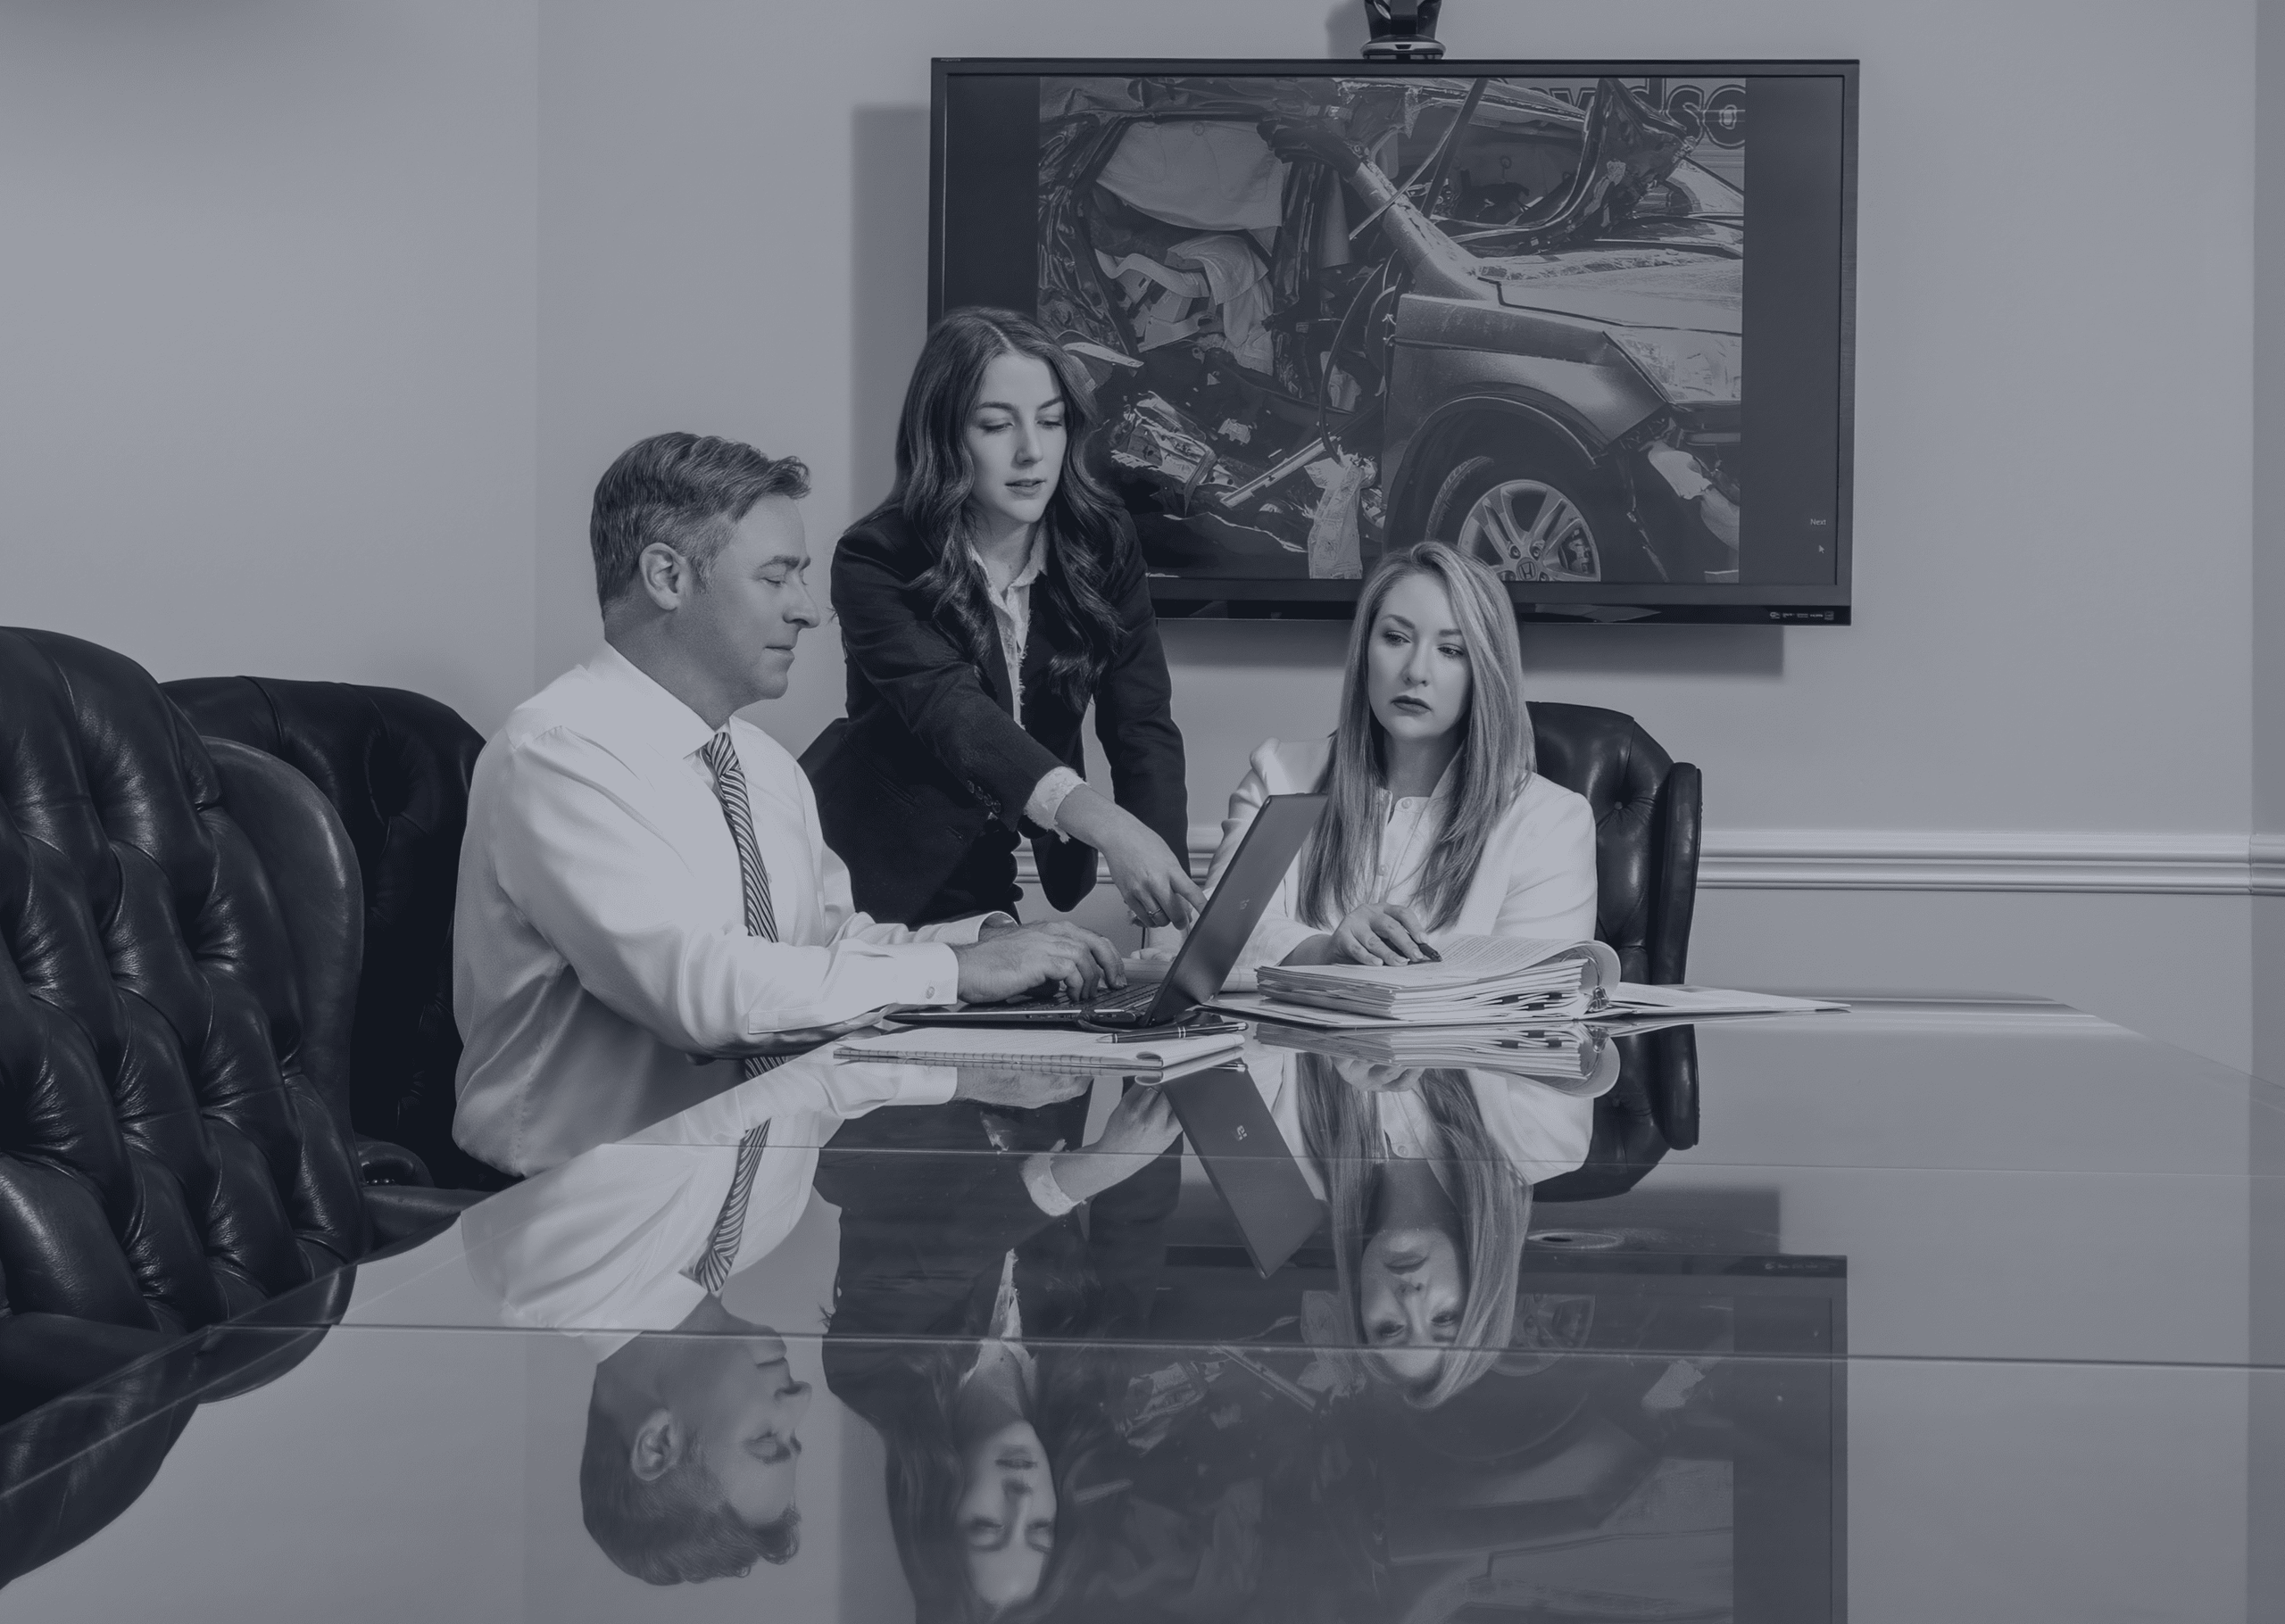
(1069, 1412)
(934, 480)
(1496, 757)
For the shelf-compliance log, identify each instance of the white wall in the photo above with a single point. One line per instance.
(2053, 485)
(2015, 361)
(2268, 542)
(266, 369)
(369, 294)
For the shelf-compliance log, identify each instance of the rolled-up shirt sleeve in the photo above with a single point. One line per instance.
(1047, 796)
(613, 895)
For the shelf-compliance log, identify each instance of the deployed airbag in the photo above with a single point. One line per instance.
(1201, 173)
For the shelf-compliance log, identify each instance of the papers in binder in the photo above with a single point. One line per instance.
(1479, 979)
(1575, 1059)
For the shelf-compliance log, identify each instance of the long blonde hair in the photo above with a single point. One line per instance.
(1341, 1133)
(1496, 757)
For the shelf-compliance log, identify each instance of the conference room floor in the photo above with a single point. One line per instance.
(1939, 1308)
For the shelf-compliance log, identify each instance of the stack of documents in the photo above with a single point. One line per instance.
(1575, 1059)
(1479, 980)
(1035, 1049)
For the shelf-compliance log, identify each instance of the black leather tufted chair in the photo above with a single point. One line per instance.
(179, 945)
(1650, 1110)
(1646, 807)
(68, 1468)
(395, 767)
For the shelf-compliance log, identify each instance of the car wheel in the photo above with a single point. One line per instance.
(1528, 517)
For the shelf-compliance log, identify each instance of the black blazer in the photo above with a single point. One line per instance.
(929, 1208)
(931, 753)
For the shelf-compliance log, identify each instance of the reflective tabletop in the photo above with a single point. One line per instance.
(1934, 1309)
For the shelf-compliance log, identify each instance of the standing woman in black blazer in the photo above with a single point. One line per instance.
(998, 592)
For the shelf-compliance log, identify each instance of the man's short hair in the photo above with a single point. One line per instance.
(686, 490)
(677, 1529)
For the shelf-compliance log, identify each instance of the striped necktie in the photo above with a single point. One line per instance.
(721, 758)
(713, 1265)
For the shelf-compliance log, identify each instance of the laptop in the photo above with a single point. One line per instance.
(1216, 936)
(1228, 1123)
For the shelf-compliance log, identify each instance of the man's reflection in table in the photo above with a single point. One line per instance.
(689, 1467)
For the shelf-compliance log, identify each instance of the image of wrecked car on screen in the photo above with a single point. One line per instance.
(1330, 316)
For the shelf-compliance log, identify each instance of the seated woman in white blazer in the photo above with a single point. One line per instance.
(1438, 825)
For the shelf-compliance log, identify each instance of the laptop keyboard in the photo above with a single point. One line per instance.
(1134, 997)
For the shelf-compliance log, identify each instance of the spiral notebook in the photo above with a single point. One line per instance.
(1035, 1048)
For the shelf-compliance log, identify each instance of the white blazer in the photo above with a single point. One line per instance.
(1536, 878)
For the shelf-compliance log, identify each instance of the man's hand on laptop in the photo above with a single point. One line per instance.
(1008, 964)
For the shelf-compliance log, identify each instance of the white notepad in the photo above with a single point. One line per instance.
(1039, 1048)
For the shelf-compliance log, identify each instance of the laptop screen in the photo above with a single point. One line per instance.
(1221, 932)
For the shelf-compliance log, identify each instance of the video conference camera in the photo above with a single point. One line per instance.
(1404, 30)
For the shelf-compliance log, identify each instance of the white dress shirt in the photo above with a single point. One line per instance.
(1011, 618)
(601, 969)
(599, 1246)
(1536, 878)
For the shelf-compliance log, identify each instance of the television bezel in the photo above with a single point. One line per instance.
(1756, 603)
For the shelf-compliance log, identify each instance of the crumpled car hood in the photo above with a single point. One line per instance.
(1632, 285)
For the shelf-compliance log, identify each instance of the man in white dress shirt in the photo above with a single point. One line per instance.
(647, 910)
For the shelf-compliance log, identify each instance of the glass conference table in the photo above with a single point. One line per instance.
(1935, 1309)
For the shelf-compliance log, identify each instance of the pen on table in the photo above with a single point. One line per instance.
(1201, 1029)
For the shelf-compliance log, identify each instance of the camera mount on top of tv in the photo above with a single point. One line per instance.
(1404, 30)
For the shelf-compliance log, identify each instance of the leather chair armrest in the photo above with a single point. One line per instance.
(380, 1161)
(404, 1215)
(1680, 812)
(1672, 1085)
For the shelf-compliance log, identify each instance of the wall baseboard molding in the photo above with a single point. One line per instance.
(1956, 860)
(2003, 860)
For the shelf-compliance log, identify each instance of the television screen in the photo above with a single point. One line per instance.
(1526, 307)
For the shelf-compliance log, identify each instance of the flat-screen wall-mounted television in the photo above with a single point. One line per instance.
(1524, 307)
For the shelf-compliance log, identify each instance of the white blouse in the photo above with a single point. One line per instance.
(1540, 1129)
(1536, 877)
(1011, 617)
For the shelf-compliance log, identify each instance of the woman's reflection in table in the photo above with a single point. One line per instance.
(960, 1330)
